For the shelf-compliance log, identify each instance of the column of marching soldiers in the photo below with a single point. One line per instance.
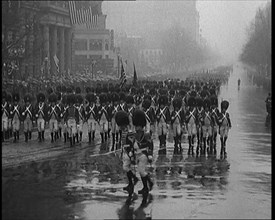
(178, 106)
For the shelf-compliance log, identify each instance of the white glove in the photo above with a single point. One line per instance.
(150, 157)
(130, 153)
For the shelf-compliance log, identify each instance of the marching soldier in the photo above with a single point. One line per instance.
(64, 107)
(191, 121)
(114, 127)
(59, 106)
(71, 117)
(9, 100)
(150, 116)
(27, 117)
(215, 114)
(199, 103)
(128, 156)
(81, 112)
(130, 109)
(91, 115)
(143, 147)
(53, 116)
(15, 113)
(207, 125)
(163, 119)
(224, 126)
(5, 116)
(177, 120)
(40, 115)
(102, 117)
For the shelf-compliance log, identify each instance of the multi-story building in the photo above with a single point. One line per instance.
(50, 43)
(94, 48)
(43, 31)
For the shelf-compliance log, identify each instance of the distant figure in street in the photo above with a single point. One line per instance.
(268, 104)
(239, 83)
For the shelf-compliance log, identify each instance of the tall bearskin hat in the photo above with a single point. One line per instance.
(182, 93)
(88, 89)
(139, 118)
(79, 98)
(91, 97)
(191, 101)
(224, 104)
(98, 90)
(214, 101)
(115, 97)
(103, 98)
(77, 90)
(204, 93)
(4, 95)
(49, 91)
(15, 97)
(146, 103)
(193, 93)
(141, 91)
(133, 90)
(64, 99)
(122, 96)
(206, 103)
(122, 118)
(172, 92)
(69, 90)
(8, 97)
(58, 88)
(52, 97)
(58, 94)
(71, 98)
(109, 97)
(212, 91)
(163, 100)
(152, 91)
(199, 101)
(104, 89)
(148, 97)
(40, 97)
(130, 99)
(63, 89)
(28, 97)
(177, 103)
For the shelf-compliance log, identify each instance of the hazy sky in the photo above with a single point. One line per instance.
(224, 23)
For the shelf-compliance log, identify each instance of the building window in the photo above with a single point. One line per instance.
(95, 45)
(106, 47)
(80, 44)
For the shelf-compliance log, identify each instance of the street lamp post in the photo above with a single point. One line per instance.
(93, 63)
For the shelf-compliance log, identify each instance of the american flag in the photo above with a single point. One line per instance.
(122, 76)
(56, 61)
(82, 14)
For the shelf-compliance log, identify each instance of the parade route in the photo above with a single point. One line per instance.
(55, 181)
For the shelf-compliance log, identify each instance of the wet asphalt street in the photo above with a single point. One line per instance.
(86, 183)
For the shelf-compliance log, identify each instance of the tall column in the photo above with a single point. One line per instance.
(46, 55)
(61, 49)
(68, 50)
(53, 50)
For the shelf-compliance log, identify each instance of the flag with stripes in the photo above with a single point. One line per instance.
(56, 61)
(81, 14)
(135, 76)
(122, 76)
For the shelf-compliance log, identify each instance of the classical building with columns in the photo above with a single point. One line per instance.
(48, 37)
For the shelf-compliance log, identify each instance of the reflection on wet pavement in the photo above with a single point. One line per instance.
(80, 185)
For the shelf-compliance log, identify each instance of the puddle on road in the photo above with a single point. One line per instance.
(82, 186)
